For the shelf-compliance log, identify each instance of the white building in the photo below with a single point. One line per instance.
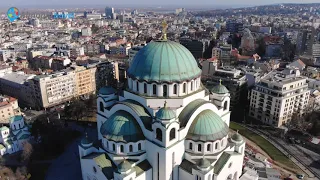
(13, 138)
(163, 126)
(278, 96)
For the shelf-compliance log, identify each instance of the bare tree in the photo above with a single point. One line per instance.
(7, 173)
(21, 173)
(27, 152)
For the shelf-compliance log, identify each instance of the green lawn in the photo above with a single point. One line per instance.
(272, 151)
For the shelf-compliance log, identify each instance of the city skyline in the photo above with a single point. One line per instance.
(143, 3)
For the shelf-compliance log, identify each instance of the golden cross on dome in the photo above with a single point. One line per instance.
(164, 30)
(220, 82)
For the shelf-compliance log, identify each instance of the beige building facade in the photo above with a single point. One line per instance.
(278, 96)
(85, 80)
(8, 108)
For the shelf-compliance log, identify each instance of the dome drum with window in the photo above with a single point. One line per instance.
(164, 69)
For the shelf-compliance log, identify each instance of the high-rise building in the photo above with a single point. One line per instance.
(234, 26)
(109, 12)
(196, 47)
(163, 125)
(278, 96)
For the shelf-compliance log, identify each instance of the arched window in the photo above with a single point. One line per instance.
(199, 147)
(159, 134)
(225, 105)
(208, 147)
(154, 89)
(165, 90)
(216, 146)
(137, 86)
(101, 106)
(19, 126)
(145, 88)
(209, 177)
(191, 86)
(121, 148)
(139, 147)
(175, 89)
(172, 133)
(222, 143)
(14, 126)
(184, 87)
(190, 146)
(130, 148)
(113, 147)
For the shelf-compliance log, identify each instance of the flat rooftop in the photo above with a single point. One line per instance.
(17, 77)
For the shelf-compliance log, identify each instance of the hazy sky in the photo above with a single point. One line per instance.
(182, 3)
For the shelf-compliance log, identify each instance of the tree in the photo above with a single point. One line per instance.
(6, 173)
(261, 47)
(26, 152)
(76, 109)
(21, 173)
(94, 29)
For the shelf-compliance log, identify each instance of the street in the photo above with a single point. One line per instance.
(67, 165)
(306, 157)
(303, 158)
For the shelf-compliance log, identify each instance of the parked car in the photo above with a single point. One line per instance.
(300, 176)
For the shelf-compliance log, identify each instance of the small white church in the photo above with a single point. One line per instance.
(12, 138)
(165, 125)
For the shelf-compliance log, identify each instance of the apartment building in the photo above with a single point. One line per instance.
(15, 84)
(85, 80)
(277, 96)
(8, 108)
(107, 74)
(232, 78)
(54, 89)
(47, 62)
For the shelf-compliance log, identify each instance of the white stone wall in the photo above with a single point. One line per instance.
(183, 175)
(145, 176)
(88, 170)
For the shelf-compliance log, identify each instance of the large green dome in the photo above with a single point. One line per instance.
(207, 126)
(164, 61)
(121, 127)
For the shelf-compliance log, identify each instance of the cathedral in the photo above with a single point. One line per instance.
(165, 125)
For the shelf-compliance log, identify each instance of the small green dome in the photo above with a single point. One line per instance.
(165, 113)
(164, 61)
(107, 90)
(124, 166)
(204, 163)
(86, 140)
(207, 126)
(237, 137)
(219, 89)
(121, 126)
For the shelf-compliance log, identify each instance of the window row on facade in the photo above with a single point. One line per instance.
(164, 90)
(122, 148)
(208, 147)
